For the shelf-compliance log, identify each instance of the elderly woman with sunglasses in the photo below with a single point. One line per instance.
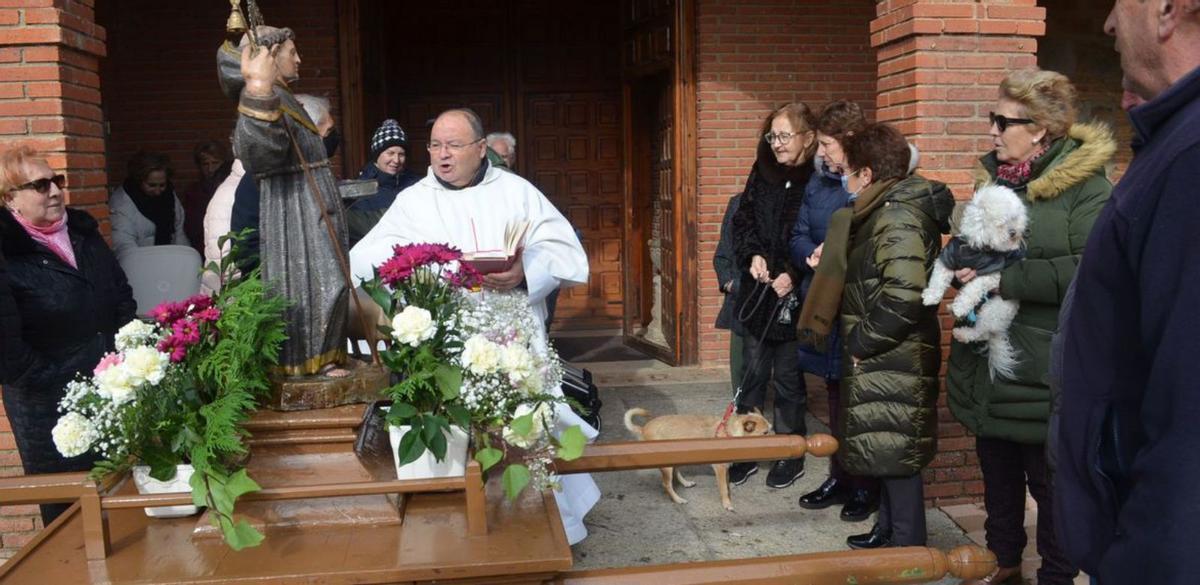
(62, 299)
(1058, 168)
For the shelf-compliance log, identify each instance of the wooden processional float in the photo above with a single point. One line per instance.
(331, 517)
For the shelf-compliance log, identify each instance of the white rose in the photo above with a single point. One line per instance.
(73, 435)
(133, 334)
(413, 325)
(145, 364)
(542, 419)
(481, 356)
(517, 363)
(115, 384)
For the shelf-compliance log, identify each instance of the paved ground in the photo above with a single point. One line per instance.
(636, 523)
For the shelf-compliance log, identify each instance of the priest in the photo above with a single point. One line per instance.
(465, 202)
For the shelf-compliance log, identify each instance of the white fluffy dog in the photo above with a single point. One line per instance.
(991, 236)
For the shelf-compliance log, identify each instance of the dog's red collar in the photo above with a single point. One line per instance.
(725, 419)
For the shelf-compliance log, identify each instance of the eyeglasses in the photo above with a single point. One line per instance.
(42, 186)
(1002, 122)
(780, 137)
(453, 146)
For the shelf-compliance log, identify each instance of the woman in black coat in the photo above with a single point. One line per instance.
(767, 303)
(62, 298)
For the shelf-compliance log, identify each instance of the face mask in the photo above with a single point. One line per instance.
(845, 183)
(331, 142)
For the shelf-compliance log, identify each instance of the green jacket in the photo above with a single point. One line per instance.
(889, 400)
(1064, 198)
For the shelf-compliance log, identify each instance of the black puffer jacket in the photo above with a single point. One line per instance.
(889, 400)
(762, 226)
(55, 321)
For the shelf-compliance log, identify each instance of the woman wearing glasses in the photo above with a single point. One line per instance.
(62, 299)
(1058, 169)
(767, 300)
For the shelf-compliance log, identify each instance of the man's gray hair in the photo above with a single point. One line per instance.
(495, 137)
(472, 118)
(316, 107)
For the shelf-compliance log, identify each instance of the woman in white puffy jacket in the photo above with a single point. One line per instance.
(144, 210)
(216, 224)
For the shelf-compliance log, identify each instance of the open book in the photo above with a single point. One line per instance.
(499, 260)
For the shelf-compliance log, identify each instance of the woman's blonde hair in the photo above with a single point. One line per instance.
(12, 168)
(1047, 96)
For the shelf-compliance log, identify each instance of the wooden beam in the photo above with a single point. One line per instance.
(687, 242)
(651, 454)
(894, 566)
(350, 71)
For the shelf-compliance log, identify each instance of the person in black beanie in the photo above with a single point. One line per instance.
(389, 150)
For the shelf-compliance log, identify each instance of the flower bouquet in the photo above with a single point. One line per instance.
(175, 393)
(469, 359)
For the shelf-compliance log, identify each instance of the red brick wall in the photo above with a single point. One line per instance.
(50, 100)
(751, 57)
(160, 84)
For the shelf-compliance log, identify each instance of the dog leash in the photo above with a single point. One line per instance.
(742, 317)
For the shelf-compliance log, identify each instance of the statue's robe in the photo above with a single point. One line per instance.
(297, 255)
(475, 218)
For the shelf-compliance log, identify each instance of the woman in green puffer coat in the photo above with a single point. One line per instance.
(1058, 169)
(876, 261)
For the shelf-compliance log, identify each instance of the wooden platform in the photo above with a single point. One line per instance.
(525, 544)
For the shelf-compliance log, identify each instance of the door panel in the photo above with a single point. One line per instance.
(570, 162)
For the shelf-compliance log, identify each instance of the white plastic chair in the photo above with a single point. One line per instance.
(161, 273)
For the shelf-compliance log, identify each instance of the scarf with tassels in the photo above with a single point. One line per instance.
(823, 302)
(53, 236)
(1018, 174)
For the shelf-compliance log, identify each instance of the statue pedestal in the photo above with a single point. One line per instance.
(315, 392)
(313, 447)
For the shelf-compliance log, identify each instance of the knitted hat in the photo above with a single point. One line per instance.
(388, 134)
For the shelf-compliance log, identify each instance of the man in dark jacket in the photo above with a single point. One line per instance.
(1129, 445)
(389, 146)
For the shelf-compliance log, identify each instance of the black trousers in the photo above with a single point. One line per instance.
(833, 389)
(902, 509)
(778, 363)
(1007, 468)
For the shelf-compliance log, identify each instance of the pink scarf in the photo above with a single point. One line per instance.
(53, 236)
(1018, 174)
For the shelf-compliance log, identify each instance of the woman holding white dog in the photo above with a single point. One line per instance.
(876, 259)
(1057, 167)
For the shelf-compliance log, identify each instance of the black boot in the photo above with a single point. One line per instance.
(740, 472)
(831, 492)
(878, 537)
(860, 505)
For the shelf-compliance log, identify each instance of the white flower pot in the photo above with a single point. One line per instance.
(427, 466)
(148, 485)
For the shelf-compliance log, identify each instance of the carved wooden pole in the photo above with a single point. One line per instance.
(890, 566)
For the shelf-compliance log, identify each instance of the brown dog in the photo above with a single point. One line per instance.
(692, 426)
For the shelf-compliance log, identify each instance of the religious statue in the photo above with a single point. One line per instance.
(302, 229)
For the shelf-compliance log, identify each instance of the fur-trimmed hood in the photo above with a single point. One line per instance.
(1090, 146)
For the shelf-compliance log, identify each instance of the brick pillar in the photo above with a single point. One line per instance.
(50, 99)
(940, 65)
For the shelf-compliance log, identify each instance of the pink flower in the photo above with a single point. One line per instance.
(465, 277)
(208, 315)
(109, 360)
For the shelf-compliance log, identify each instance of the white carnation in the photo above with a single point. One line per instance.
(413, 325)
(145, 364)
(481, 356)
(542, 419)
(518, 363)
(133, 334)
(73, 435)
(115, 384)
